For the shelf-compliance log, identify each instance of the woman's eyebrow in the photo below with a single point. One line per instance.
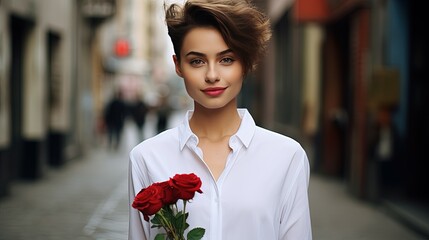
(224, 52)
(195, 53)
(203, 55)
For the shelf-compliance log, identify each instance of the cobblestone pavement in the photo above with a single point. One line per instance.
(87, 199)
(338, 216)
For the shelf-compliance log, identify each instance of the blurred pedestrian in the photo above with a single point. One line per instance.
(216, 44)
(114, 117)
(138, 110)
(163, 112)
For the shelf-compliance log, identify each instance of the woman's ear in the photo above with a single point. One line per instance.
(177, 66)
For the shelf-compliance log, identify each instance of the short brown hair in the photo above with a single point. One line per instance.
(244, 28)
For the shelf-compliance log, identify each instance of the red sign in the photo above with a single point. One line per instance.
(311, 10)
(122, 48)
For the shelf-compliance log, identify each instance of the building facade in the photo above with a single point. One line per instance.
(45, 86)
(346, 78)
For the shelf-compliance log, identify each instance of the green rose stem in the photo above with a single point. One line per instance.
(167, 225)
(184, 218)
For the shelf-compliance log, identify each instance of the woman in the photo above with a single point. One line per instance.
(254, 181)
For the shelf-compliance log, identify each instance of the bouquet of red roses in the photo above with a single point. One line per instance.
(160, 199)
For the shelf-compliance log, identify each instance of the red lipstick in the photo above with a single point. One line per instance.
(214, 91)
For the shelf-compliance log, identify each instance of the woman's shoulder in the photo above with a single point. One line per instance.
(159, 142)
(275, 138)
(279, 148)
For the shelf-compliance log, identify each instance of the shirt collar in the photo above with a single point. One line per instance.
(185, 132)
(247, 127)
(245, 131)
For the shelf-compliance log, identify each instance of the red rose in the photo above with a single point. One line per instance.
(149, 200)
(170, 193)
(186, 185)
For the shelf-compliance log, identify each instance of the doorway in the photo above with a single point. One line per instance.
(54, 83)
(336, 103)
(25, 158)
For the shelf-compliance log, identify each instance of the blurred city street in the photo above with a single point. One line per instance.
(336, 215)
(347, 79)
(88, 199)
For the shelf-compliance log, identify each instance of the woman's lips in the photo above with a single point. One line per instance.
(213, 92)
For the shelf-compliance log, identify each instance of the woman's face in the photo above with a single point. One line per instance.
(213, 74)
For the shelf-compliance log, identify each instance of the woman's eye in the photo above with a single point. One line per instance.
(196, 62)
(227, 60)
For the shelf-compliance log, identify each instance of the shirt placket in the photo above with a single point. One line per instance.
(235, 146)
(215, 199)
(215, 209)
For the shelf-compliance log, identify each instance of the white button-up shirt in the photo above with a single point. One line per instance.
(261, 194)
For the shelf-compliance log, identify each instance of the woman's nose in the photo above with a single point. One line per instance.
(212, 75)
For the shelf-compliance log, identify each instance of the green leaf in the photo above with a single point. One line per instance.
(156, 220)
(196, 234)
(177, 222)
(168, 214)
(179, 217)
(160, 236)
(168, 209)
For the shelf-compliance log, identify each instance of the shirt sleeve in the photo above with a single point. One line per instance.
(138, 227)
(295, 220)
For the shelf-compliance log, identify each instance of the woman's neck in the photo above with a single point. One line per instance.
(215, 124)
